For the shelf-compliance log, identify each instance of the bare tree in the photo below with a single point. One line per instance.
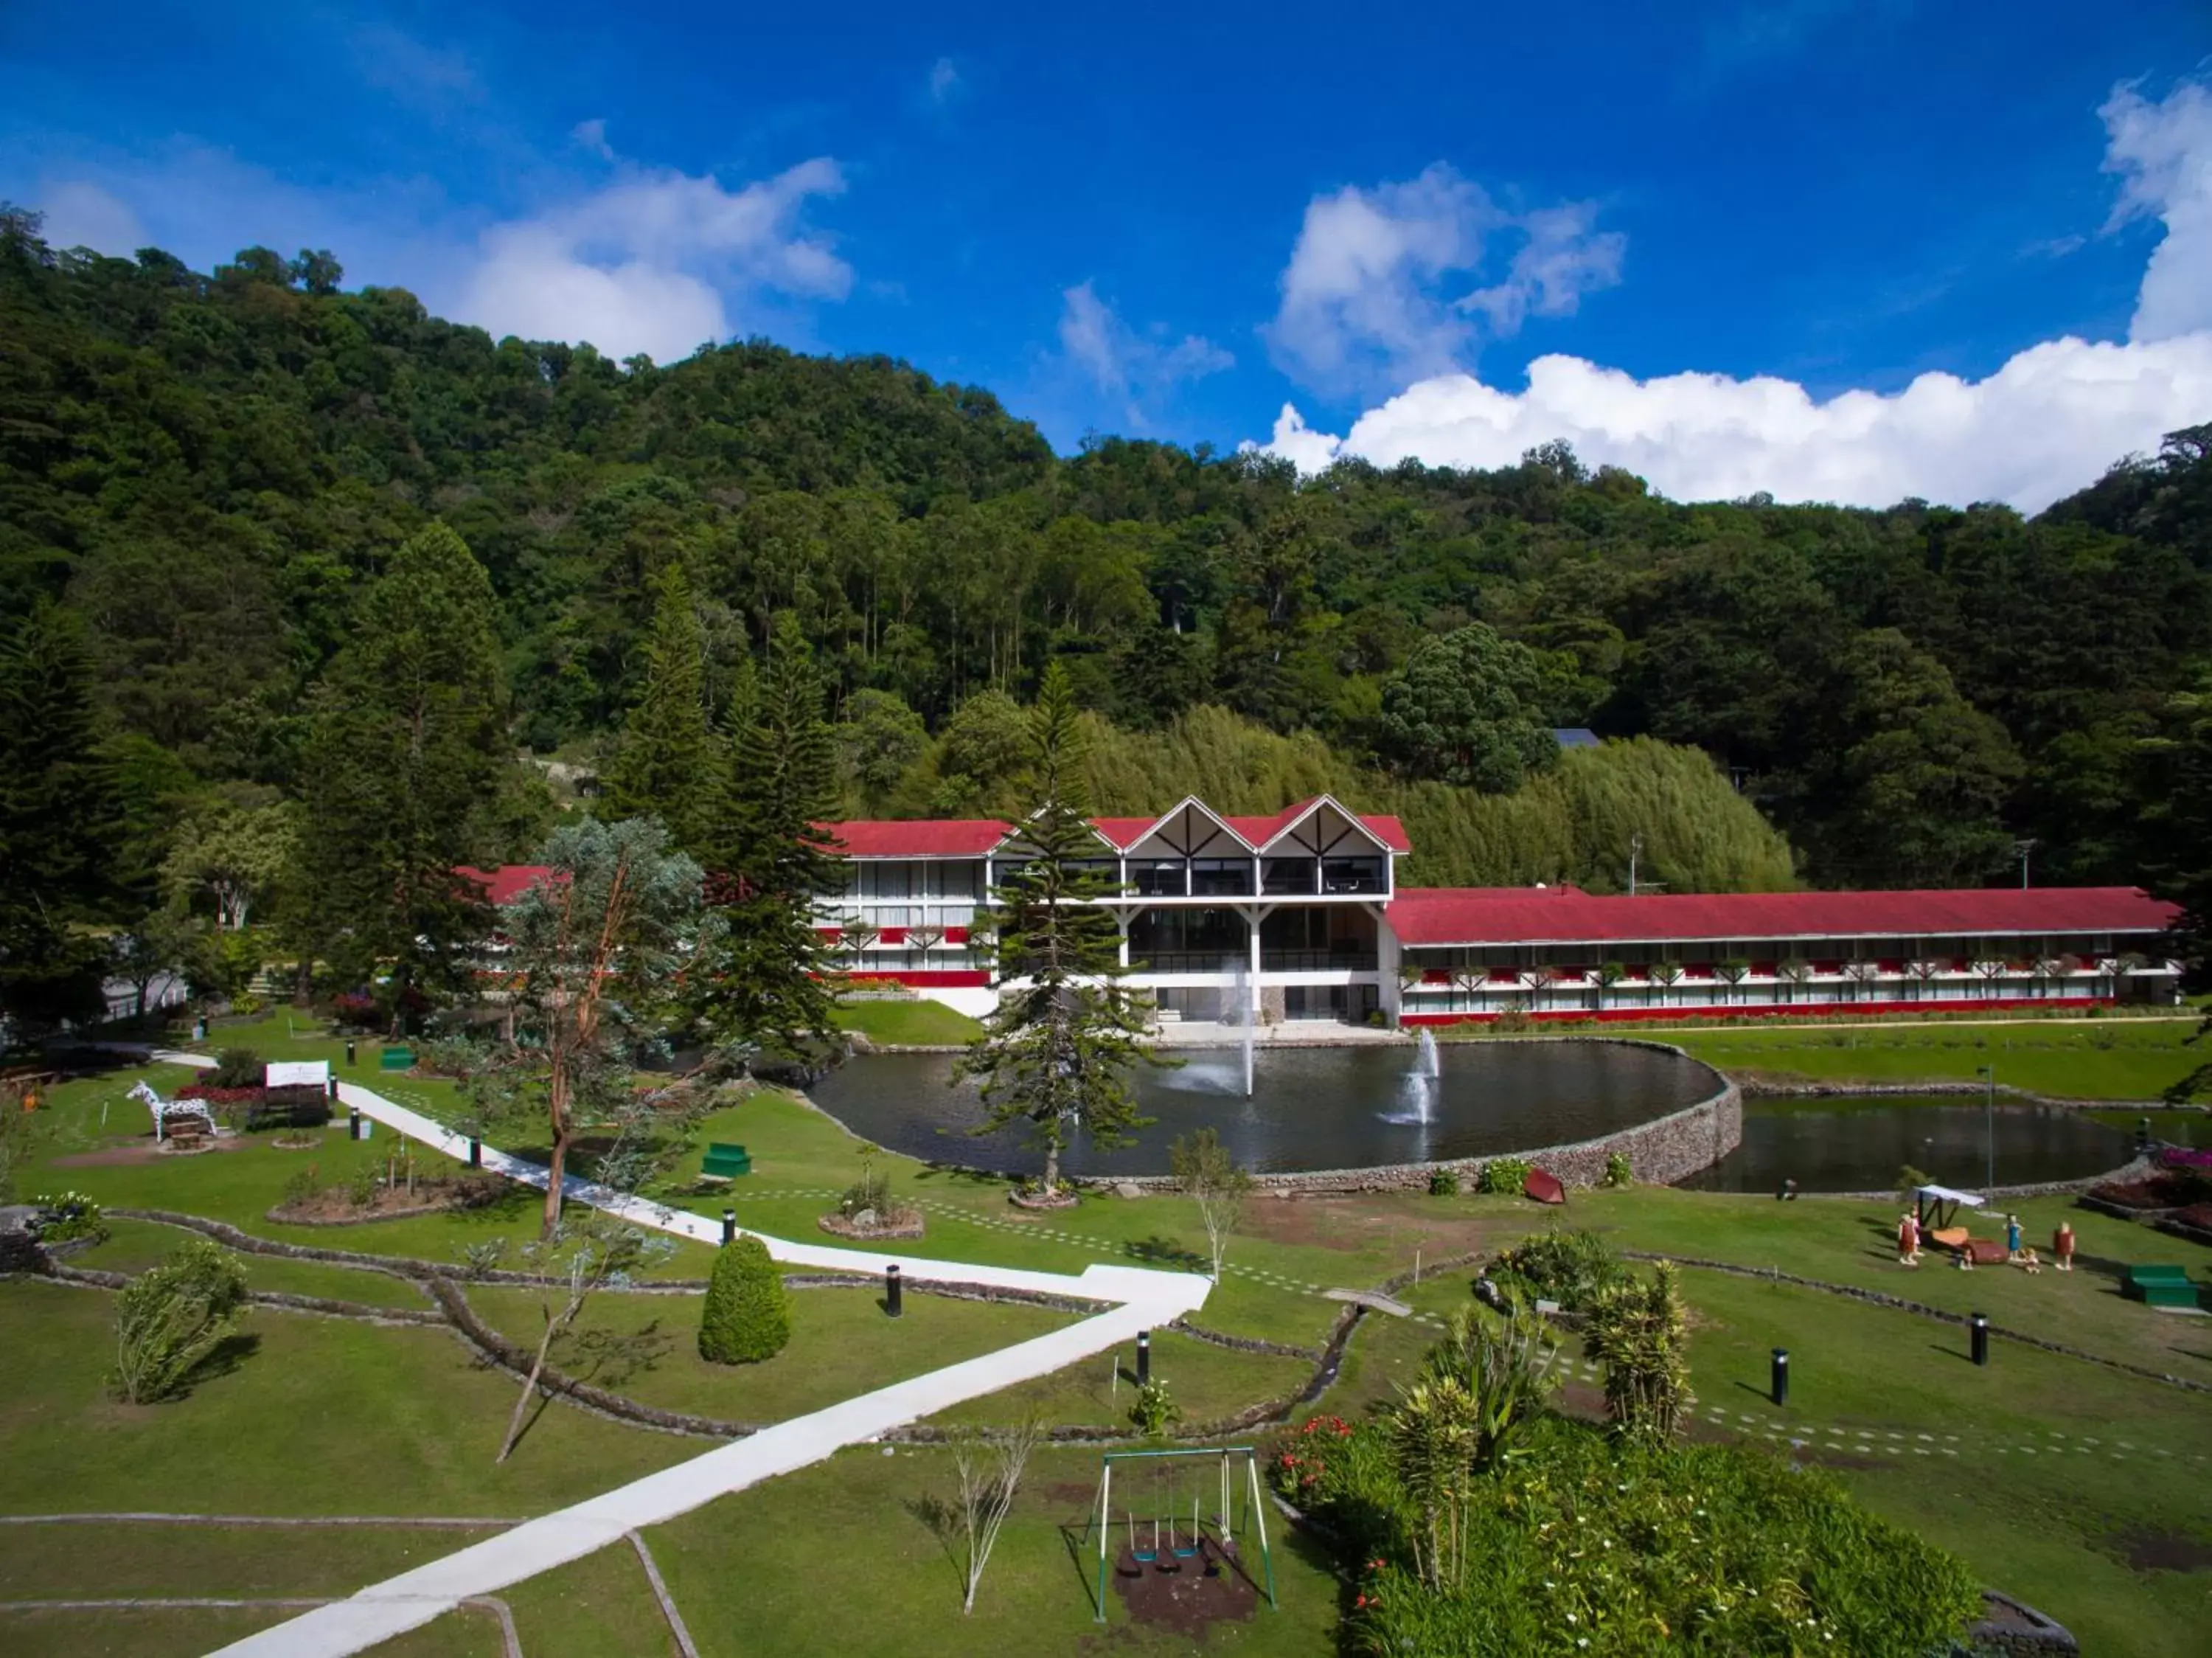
(585, 1254)
(989, 1465)
(1209, 1176)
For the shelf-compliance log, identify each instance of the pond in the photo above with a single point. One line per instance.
(1843, 1144)
(1311, 1108)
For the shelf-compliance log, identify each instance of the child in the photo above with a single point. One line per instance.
(2011, 1237)
(2061, 1246)
(1908, 1239)
(2027, 1261)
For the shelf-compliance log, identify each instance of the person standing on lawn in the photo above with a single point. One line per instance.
(2061, 1246)
(1908, 1239)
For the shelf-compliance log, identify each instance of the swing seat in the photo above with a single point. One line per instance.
(1132, 1564)
(1167, 1561)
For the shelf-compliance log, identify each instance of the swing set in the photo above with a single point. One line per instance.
(1167, 1540)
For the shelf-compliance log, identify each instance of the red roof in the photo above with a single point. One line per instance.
(507, 883)
(918, 838)
(1565, 915)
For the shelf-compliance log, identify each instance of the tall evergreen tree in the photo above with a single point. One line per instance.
(1057, 1051)
(58, 813)
(403, 775)
(770, 980)
(669, 763)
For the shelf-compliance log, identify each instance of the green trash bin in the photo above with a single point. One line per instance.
(396, 1059)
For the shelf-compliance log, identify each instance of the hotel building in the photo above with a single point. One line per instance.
(1299, 916)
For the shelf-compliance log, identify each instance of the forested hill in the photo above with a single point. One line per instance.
(209, 469)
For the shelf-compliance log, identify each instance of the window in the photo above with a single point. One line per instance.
(1221, 877)
(1290, 875)
(1355, 874)
(1158, 877)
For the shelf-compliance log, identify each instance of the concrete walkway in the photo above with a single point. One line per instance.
(1144, 1300)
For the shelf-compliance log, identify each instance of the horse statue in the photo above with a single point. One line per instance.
(168, 1111)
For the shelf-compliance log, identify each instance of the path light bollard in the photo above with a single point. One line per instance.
(349, 1050)
(476, 1152)
(729, 1226)
(1144, 1356)
(1980, 1326)
(892, 1304)
(1781, 1384)
(353, 1122)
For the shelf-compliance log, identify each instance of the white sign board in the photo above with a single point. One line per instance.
(298, 1074)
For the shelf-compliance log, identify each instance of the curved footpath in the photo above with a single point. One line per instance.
(1138, 1298)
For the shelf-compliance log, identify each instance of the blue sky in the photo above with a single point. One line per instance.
(1176, 221)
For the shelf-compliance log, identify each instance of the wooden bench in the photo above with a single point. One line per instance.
(2159, 1286)
(726, 1163)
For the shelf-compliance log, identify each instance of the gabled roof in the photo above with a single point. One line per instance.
(1565, 915)
(913, 838)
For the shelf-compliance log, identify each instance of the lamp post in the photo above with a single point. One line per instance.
(1989, 1128)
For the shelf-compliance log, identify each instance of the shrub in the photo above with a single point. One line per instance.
(1571, 1268)
(303, 1184)
(237, 1067)
(1154, 1411)
(1513, 1021)
(361, 1185)
(170, 1319)
(355, 1008)
(746, 1318)
(66, 1218)
(1444, 1183)
(1694, 1549)
(1505, 1176)
(872, 1191)
(1639, 1331)
(1908, 1179)
(1619, 1171)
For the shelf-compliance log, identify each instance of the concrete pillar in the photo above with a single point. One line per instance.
(1252, 917)
(1390, 961)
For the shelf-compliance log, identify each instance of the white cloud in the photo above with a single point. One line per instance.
(2044, 424)
(591, 135)
(943, 81)
(81, 213)
(1132, 367)
(2163, 153)
(649, 262)
(1366, 298)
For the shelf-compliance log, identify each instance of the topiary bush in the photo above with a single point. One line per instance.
(747, 1317)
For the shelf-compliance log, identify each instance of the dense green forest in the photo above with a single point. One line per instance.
(205, 476)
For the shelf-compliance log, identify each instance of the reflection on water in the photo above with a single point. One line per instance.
(1839, 1145)
(1311, 1108)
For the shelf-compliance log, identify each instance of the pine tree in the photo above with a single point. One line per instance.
(771, 982)
(669, 763)
(402, 773)
(1057, 1051)
(56, 814)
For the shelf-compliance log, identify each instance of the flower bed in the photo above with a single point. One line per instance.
(216, 1096)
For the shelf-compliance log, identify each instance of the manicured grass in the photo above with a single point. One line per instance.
(748, 1571)
(322, 1416)
(1208, 1383)
(152, 1632)
(163, 1561)
(841, 1344)
(2092, 1059)
(134, 1245)
(917, 1022)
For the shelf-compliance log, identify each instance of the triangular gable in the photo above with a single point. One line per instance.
(1012, 841)
(1190, 828)
(1323, 827)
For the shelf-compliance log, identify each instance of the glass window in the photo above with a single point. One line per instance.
(1220, 877)
(1158, 877)
(1288, 876)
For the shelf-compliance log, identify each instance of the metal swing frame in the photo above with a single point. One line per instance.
(1255, 1510)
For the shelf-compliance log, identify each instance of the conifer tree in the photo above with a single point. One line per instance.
(56, 812)
(403, 770)
(669, 762)
(1057, 1051)
(771, 981)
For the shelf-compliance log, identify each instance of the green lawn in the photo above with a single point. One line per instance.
(841, 1344)
(917, 1022)
(2091, 1059)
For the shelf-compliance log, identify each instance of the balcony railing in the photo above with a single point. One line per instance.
(1317, 961)
(1186, 961)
